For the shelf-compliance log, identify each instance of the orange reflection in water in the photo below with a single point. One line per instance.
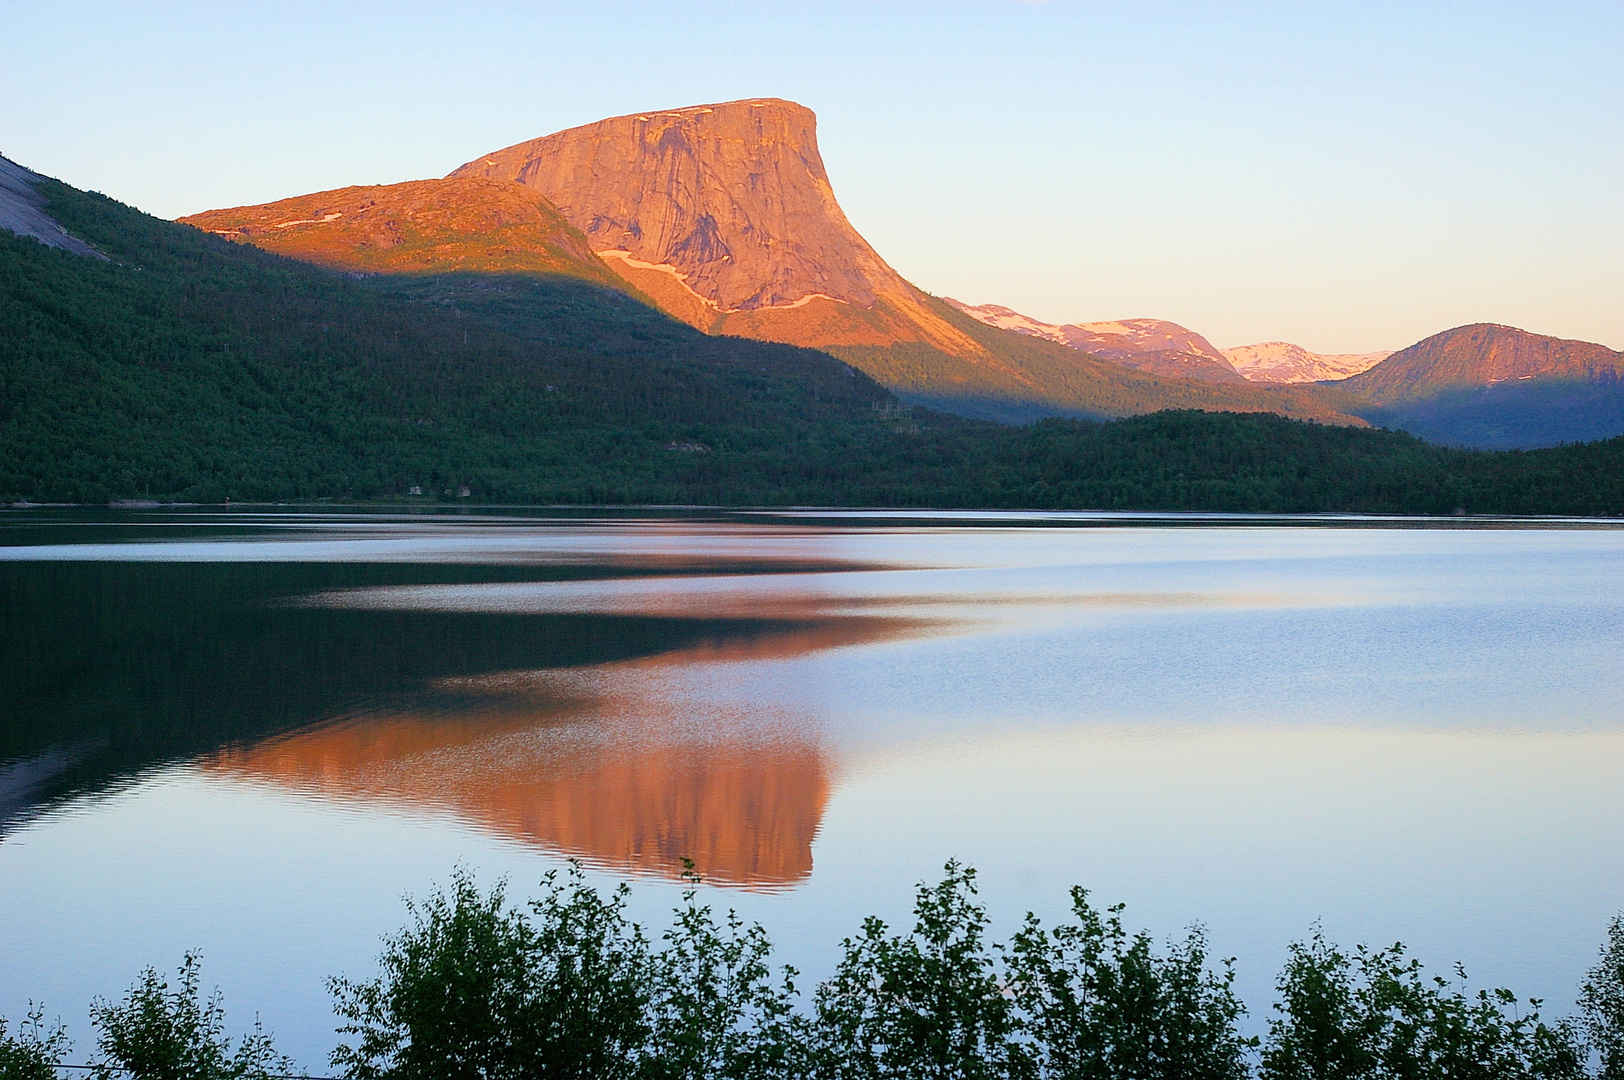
(614, 765)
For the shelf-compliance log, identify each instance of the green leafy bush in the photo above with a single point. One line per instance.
(1601, 1005)
(930, 1003)
(1101, 1004)
(158, 1033)
(1375, 1014)
(475, 988)
(35, 1052)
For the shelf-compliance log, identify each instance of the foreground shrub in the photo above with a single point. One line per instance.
(1100, 1004)
(1375, 1014)
(715, 1011)
(925, 1004)
(1601, 1005)
(35, 1052)
(157, 1033)
(474, 989)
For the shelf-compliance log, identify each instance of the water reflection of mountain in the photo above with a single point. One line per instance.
(110, 668)
(744, 812)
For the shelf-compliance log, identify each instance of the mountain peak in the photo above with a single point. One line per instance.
(1483, 354)
(732, 197)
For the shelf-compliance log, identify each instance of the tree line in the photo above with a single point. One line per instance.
(475, 987)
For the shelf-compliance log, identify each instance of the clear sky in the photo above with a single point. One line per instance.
(1350, 177)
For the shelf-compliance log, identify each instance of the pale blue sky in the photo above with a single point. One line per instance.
(1350, 177)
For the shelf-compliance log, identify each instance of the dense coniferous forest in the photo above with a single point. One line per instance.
(188, 368)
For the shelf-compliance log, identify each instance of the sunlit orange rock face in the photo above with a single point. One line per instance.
(725, 215)
(423, 226)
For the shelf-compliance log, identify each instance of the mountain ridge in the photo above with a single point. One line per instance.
(420, 226)
(1156, 346)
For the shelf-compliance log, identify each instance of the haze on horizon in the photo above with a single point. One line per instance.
(1351, 179)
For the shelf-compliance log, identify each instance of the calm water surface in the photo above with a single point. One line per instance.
(251, 734)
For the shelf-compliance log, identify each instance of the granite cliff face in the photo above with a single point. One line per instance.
(725, 215)
(22, 211)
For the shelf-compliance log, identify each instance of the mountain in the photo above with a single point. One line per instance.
(419, 227)
(1152, 345)
(725, 216)
(1283, 362)
(1482, 355)
(1495, 387)
(184, 366)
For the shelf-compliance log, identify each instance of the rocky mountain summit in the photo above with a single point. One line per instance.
(725, 215)
(1154, 345)
(1283, 362)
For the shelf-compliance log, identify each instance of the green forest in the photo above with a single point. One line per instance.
(186, 368)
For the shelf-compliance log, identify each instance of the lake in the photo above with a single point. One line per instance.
(252, 733)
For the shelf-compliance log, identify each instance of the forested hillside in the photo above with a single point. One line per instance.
(186, 367)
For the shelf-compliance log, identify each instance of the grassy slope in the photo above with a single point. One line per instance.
(190, 367)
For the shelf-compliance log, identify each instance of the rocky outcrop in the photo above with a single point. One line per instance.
(725, 215)
(1283, 362)
(22, 211)
(423, 226)
(1482, 354)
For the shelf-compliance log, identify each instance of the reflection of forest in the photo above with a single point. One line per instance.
(601, 763)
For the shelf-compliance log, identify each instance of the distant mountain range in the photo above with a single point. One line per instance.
(1153, 345)
(1283, 362)
(1495, 387)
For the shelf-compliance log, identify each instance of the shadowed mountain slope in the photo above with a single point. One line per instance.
(1481, 354)
(22, 210)
(1495, 387)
